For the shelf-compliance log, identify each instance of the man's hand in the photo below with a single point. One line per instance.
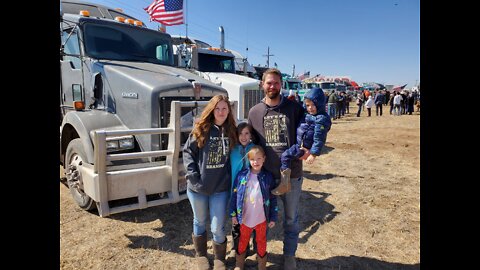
(307, 153)
(271, 224)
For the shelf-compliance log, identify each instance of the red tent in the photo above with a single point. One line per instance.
(354, 84)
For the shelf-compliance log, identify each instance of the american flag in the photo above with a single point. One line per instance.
(303, 75)
(168, 12)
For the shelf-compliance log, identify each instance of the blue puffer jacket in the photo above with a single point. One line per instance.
(312, 132)
(267, 184)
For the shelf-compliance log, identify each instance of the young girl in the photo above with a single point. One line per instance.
(239, 161)
(238, 155)
(206, 160)
(253, 206)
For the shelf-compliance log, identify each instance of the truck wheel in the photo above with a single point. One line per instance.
(74, 158)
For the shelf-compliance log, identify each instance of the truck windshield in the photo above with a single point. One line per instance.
(311, 85)
(294, 85)
(215, 63)
(328, 86)
(115, 41)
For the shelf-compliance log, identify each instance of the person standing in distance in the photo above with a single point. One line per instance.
(275, 121)
(207, 164)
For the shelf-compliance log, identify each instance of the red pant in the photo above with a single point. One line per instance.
(260, 238)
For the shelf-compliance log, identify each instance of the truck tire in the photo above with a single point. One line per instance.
(74, 157)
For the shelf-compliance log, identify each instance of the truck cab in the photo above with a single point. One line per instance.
(327, 87)
(125, 113)
(218, 66)
(198, 55)
(294, 84)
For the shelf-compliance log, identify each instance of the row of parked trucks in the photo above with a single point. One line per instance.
(128, 99)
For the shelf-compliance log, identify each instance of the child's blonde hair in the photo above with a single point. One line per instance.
(254, 150)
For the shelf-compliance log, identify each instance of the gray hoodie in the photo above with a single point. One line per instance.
(208, 168)
(276, 129)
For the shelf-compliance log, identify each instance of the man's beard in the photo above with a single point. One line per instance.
(272, 95)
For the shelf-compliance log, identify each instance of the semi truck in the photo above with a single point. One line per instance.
(125, 112)
(217, 65)
(293, 84)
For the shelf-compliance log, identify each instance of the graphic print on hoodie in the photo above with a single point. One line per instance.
(218, 149)
(275, 127)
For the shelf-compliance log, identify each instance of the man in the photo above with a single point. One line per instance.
(332, 105)
(275, 120)
(379, 101)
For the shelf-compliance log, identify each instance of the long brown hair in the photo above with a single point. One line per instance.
(207, 118)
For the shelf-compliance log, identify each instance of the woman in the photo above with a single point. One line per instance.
(359, 104)
(206, 160)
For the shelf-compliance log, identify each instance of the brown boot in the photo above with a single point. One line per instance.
(284, 185)
(262, 262)
(220, 251)
(200, 244)
(240, 261)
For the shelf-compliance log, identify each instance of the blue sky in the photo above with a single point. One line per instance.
(367, 40)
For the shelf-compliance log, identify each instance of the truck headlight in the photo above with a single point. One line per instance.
(119, 143)
(126, 143)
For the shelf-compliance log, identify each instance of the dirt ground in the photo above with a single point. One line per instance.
(360, 209)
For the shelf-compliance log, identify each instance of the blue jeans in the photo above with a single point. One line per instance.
(332, 110)
(216, 206)
(291, 228)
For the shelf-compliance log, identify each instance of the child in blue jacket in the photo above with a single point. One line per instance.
(239, 161)
(311, 135)
(253, 206)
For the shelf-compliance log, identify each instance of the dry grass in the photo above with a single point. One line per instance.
(360, 209)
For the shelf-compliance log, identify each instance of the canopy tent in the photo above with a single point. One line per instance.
(379, 86)
(399, 87)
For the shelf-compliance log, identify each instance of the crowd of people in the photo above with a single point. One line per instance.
(400, 102)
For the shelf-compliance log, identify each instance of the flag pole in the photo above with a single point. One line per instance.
(186, 18)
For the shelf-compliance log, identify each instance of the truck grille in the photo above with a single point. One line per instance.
(251, 98)
(165, 103)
